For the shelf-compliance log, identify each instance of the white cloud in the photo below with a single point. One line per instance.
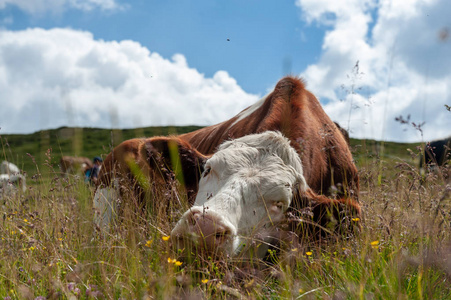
(405, 65)
(57, 6)
(51, 78)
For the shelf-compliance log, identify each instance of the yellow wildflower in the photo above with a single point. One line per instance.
(249, 283)
(165, 238)
(356, 219)
(204, 281)
(178, 263)
(148, 243)
(308, 253)
(172, 260)
(375, 244)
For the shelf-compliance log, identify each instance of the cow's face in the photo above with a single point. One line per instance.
(246, 184)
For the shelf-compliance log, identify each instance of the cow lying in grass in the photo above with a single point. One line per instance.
(248, 183)
(327, 166)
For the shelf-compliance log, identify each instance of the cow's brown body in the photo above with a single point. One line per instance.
(295, 112)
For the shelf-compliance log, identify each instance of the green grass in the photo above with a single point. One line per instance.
(49, 246)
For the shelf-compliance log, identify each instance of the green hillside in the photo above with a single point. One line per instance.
(30, 151)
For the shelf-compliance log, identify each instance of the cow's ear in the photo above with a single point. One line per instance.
(322, 216)
(174, 158)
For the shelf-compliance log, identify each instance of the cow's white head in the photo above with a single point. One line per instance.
(247, 183)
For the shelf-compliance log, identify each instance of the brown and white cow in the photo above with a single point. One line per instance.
(72, 164)
(323, 168)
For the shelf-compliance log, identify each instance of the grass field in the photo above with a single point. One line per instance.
(49, 247)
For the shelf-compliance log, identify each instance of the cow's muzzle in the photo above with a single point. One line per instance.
(204, 230)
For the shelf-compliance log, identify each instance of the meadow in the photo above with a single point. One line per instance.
(50, 249)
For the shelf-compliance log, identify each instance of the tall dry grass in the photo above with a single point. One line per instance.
(49, 247)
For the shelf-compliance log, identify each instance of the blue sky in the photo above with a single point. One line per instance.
(243, 37)
(111, 63)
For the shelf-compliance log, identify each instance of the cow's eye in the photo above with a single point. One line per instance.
(207, 171)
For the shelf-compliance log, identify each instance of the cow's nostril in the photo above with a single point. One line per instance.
(209, 230)
(221, 234)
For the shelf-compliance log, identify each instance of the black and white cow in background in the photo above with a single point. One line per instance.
(436, 153)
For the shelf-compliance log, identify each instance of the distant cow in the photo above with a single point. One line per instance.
(11, 179)
(9, 184)
(71, 164)
(9, 168)
(437, 153)
(327, 165)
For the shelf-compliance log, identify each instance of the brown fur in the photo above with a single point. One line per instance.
(152, 156)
